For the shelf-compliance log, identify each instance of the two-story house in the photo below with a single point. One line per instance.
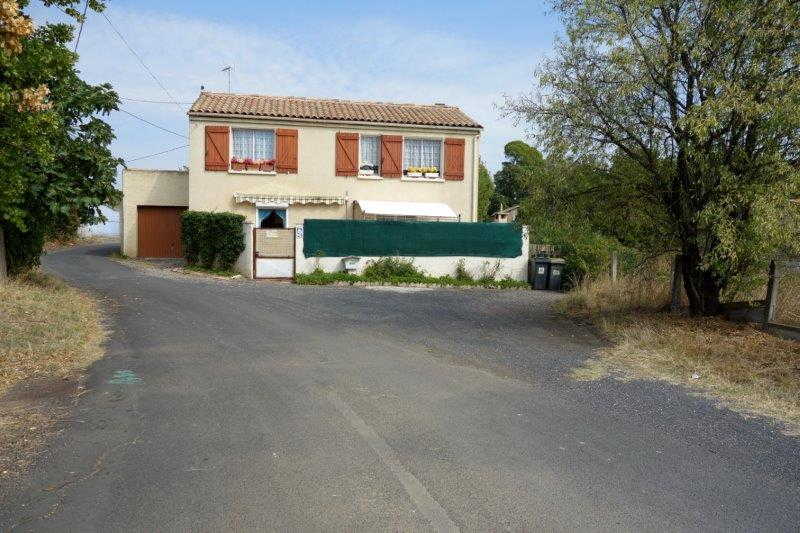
(281, 160)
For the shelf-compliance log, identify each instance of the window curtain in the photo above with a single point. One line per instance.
(369, 150)
(255, 144)
(422, 153)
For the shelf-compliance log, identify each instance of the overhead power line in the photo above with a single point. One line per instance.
(157, 153)
(152, 124)
(153, 101)
(80, 30)
(141, 61)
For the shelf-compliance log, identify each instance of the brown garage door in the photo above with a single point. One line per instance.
(159, 231)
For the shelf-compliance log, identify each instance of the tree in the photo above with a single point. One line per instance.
(523, 162)
(701, 98)
(54, 157)
(485, 191)
(559, 211)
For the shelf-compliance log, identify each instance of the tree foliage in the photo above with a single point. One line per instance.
(692, 108)
(523, 164)
(485, 192)
(56, 166)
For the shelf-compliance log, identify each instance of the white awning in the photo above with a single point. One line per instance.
(287, 199)
(406, 209)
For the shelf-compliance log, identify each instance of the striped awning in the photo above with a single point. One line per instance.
(272, 199)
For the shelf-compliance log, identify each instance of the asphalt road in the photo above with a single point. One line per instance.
(264, 406)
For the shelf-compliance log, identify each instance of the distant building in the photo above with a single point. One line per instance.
(509, 214)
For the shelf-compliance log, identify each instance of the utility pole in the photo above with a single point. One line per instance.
(228, 70)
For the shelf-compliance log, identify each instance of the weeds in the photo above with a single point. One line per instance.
(394, 271)
(461, 271)
(213, 271)
(388, 268)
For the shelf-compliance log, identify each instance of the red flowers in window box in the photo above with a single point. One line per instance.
(248, 163)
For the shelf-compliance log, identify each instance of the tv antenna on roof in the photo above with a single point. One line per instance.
(228, 70)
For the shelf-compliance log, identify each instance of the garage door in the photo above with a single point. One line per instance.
(159, 231)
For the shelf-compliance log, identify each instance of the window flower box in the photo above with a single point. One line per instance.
(267, 165)
(239, 164)
(422, 172)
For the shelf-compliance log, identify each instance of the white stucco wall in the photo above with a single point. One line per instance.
(244, 265)
(148, 187)
(511, 267)
(213, 191)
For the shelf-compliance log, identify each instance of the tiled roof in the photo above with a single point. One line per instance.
(345, 110)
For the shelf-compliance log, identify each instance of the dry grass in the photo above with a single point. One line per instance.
(48, 331)
(78, 240)
(743, 367)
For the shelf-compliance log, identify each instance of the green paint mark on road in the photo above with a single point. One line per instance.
(124, 377)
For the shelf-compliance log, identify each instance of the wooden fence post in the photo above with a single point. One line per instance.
(772, 293)
(677, 278)
(614, 266)
(3, 268)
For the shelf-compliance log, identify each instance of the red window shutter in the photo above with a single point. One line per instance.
(391, 156)
(286, 151)
(217, 147)
(346, 154)
(454, 159)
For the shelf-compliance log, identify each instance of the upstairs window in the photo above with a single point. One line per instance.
(370, 154)
(421, 156)
(256, 145)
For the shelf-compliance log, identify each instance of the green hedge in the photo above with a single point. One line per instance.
(212, 240)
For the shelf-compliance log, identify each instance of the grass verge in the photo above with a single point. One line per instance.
(318, 277)
(49, 333)
(740, 365)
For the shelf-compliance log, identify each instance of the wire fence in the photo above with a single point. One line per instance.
(783, 294)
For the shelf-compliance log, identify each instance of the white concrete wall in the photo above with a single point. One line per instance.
(148, 187)
(244, 265)
(513, 267)
(214, 190)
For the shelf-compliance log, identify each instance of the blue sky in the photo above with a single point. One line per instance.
(467, 54)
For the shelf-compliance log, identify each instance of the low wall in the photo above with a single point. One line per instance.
(509, 267)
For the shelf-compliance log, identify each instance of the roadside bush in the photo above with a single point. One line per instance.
(212, 239)
(23, 249)
(192, 226)
(228, 238)
(390, 268)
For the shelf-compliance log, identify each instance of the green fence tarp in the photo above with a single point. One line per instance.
(339, 238)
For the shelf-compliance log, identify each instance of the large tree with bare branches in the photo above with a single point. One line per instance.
(702, 99)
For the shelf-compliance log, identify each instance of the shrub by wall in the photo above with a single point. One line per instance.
(212, 239)
(228, 237)
(192, 225)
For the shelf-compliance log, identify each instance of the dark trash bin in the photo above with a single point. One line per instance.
(539, 267)
(555, 274)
